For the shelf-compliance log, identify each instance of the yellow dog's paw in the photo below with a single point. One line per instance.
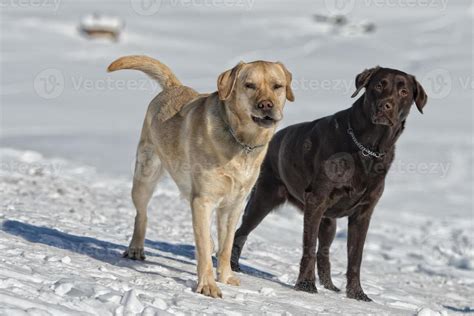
(231, 280)
(134, 253)
(209, 289)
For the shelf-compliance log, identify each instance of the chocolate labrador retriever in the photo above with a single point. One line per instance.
(334, 167)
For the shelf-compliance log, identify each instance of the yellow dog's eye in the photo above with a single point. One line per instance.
(277, 86)
(250, 85)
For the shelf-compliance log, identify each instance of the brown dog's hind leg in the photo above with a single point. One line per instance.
(268, 193)
(327, 232)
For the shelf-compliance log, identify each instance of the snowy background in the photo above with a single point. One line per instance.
(69, 132)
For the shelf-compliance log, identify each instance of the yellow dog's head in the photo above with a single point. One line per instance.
(256, 92)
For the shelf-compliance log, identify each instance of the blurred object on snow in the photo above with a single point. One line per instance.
(335, 19)
(101, 26)
(342, 25)
(355, 29)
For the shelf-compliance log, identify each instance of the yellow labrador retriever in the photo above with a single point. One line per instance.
(212, 145)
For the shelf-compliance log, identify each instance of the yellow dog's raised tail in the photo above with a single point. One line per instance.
(152, 67)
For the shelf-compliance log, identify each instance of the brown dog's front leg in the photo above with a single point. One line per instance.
(358, 226)
(327, 232)
(313, 212)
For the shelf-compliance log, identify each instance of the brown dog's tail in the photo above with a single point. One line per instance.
(152, 67)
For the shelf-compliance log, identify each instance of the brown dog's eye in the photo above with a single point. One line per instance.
(251, 86)
(277, 86)
(403, 92)
(378, 87)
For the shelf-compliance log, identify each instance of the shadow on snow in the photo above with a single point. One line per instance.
(111, 252)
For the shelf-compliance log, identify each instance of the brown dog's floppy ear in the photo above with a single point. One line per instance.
(226, 81)
(363, 79)
(290, 96)
(419, 95)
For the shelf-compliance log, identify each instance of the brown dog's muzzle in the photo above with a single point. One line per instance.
(384, 113)
(385, 107)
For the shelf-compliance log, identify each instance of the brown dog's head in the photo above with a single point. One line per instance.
(390, 93)
(256, 92)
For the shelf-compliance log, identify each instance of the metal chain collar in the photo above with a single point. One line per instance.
(247, 148)
(365, 151)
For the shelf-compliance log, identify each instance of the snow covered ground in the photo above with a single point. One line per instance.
(64, 229)
(69, 131)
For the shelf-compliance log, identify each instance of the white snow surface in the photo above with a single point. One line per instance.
(69, 130)
(64, 228)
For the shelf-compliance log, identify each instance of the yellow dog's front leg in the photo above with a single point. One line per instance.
(227, 218)
(202, 210)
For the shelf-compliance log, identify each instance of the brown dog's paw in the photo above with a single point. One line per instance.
(235, 266)
(327, 282)
(358, 295)
(234, 258)
(134, 253)
(209, 290)
(331, 287)
(306, 286)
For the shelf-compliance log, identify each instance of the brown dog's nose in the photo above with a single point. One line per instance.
(385, 106)
(265, 105)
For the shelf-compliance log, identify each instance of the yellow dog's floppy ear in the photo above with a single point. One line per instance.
(363, 79)
(226, 81)
(290, 96)
(419, 95)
